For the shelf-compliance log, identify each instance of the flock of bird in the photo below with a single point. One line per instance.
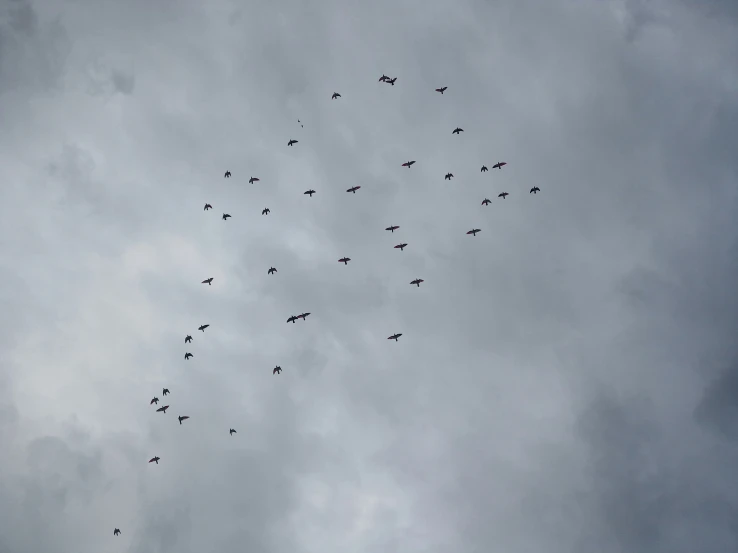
(303, 316)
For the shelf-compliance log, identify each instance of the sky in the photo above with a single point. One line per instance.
(566, 381)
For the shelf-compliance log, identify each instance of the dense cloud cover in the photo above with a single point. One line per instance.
(567, 380)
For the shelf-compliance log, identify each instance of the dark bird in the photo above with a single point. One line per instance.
(383, 78)
(499, 165)
(207, 206)
(417, 281)
(309, 192)
(353, 189)
(394, 337)
(252, 180)
(534, 190)
(393, 228)
(401, 247)
(226, 216)
(303, 316)
(227, 174)
(391, 81)
(202, 327)
(154, 460)
(457, 130)
(474, 231)
(265, 211)
(448, 176)
(300, 123)
(208, 281)
(163, 409)
(408, 164)
(116, 532)
(335, 95)
(272, 270)
(486, 201)
(344, 260)
(292, 319)
(484, 169)
(153, 401)
(188, 339)
(183, 419)
(164, 391)
(442, 89)
(232, 432)
(503, 195)
(277, 370)
(291, 142)
(188, 355)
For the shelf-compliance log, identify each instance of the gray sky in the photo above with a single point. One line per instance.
(567, 380)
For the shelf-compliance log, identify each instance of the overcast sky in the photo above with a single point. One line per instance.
(566, 381)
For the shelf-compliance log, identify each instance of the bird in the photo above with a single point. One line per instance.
(188, 339)
(183, 419)
(291, 142)
(252, 180)
(383, 78)
(408, 164)
(153, 401)
(292, 319)
(208, 281)
(163, 409)
(227, 174)
(232, 432)
(116, 532)
(442, 89)
(309, 192)
(207, 206)
(394, 337)
(277, 370)
(448, 176)
(272, 270)
(457, 130)
(300, 123)
(202, 327)
(484, 169)
(392, 229)
(401, 247)
(474, 231)
(353, 189)
(344, 260)
(486, 201)
(188, 355)
(503, 195)
(417, 281)
(303, 316)
(265, 211)
(164, 391)
(154, 460)
(226, 216)
(391, 81)
(534, 190)
(499, 165)
(335, 95)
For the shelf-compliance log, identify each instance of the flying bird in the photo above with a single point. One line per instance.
(503, 195)
(474, 231)
(252, 180)
(484, 169)
(309, 192)
(417, 282)
(292, 319)
(303, 316)
(300, 123)
(344, 260)
(153, 401)
(291, 142)
(499, 165)
(394, 337)
(227, 174)
(164, 391)
(163, 409)
(202, 327)
(154, 460)
(391, 81)
(232, 432)
(392, 229)
(183, 419)
(226, 216)
(486, 201)
(534, 190)
(188, 355)
(442, 89)
(208, 281)
(401, 247)
(188, 339)
(353, 189)
(116, 532)
(277, 370)
(265, 211)
(272, 270)
(408, 164)
(383, 78)
(207, 206)
(448, 176)
(335, 95)
(457, 130)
